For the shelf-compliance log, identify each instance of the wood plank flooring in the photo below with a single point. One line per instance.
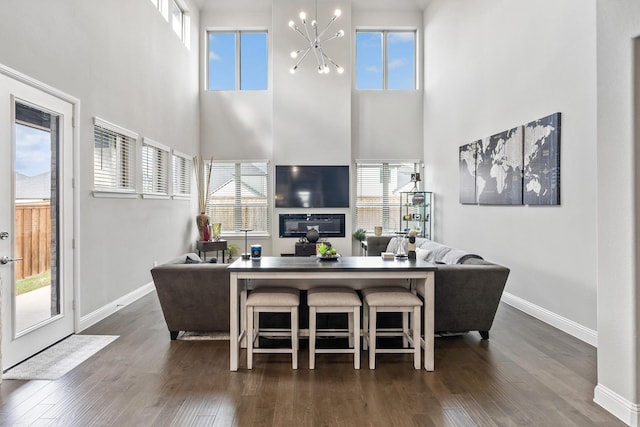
(528, 373)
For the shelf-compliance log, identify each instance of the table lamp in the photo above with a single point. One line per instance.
(246, 255)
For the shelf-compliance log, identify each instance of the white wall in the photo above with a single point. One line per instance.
(307, 118)
(493, 65)
(618, 207)
(124, 63)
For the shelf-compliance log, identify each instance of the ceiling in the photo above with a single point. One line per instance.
(395, 5)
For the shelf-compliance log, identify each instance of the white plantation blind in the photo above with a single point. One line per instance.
(378, 187)
(181, 174)
(239, 196)
(155, 167)
(113, 157)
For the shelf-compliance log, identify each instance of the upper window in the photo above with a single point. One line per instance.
(237, 60)
(378, 187)
(113, 157)
(238, 197)
(176, 13)
(386, 60)
(176, 18)
(155, 168)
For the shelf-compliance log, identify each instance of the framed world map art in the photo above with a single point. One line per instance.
(467, 163)
(499, 168)
(541, 184)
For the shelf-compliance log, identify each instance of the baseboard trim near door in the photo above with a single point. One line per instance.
(108, 309)
(565, 325)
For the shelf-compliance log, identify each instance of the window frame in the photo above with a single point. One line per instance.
(238, 205)
(385, 57)
(159, 173)
(386, 205)
(181, 177)
(238, 61)
(126, 143)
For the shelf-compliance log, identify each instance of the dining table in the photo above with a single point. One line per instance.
(352, 271)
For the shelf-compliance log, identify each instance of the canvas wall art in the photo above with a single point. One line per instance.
(467, 164)
(499, 165)
(542, 161)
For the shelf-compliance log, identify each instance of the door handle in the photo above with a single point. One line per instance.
(6, 260)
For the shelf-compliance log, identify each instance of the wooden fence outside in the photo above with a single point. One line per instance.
(33, 238)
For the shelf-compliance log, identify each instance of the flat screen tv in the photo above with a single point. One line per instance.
(312, 186)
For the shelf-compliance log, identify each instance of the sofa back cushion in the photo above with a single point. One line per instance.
(433, 251)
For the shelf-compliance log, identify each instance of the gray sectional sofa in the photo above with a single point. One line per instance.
(467, 288)
(194, 295)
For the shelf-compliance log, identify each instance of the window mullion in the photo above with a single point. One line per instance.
(238, 64)
(385, 60)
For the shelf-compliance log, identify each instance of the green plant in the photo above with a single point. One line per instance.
(360, 234)
(232, 250)
(326, 250)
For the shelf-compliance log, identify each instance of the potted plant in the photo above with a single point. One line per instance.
(232, 250)
(360, 234)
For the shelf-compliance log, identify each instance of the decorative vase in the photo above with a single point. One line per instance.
(202, 221)
(216, 230)
(312, 235)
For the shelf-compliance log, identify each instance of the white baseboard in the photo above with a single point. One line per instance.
(569, 326)
(107, 310)
(628, 412)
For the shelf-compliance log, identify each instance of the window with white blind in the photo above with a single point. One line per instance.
(239, 197)
(114, 158)
(155, 168)
(181, 170)
(378, 187)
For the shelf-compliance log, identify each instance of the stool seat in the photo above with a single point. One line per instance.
(390, 296)
(334, 300)
(274, 297)
(334, 297)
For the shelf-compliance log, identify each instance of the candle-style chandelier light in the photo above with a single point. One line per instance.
(315, 41)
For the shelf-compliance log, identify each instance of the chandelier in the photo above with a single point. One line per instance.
(315, 41)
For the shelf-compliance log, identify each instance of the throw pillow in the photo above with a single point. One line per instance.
(422, 254)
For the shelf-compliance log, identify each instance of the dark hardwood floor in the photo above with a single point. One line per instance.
(528, 373)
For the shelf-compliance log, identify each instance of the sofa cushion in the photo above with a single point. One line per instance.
(435, 252)
(190, 260)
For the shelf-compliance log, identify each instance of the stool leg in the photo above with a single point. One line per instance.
(256, 327)
(356, 337)
(294, 336)
(243, 315)
(405, 329)
(365, 325)
(350, 326)
(312, 337)
(249, 337)
(416, 336)
(372, 337)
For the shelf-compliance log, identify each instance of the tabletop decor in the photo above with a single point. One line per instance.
(326, 252)
(203, 179)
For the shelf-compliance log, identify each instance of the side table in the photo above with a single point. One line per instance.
(205, 246)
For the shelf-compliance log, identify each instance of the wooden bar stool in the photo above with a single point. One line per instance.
(272, 300)
(334, 300)
(392, 299)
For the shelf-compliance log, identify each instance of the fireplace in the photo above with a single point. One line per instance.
(297, 225)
